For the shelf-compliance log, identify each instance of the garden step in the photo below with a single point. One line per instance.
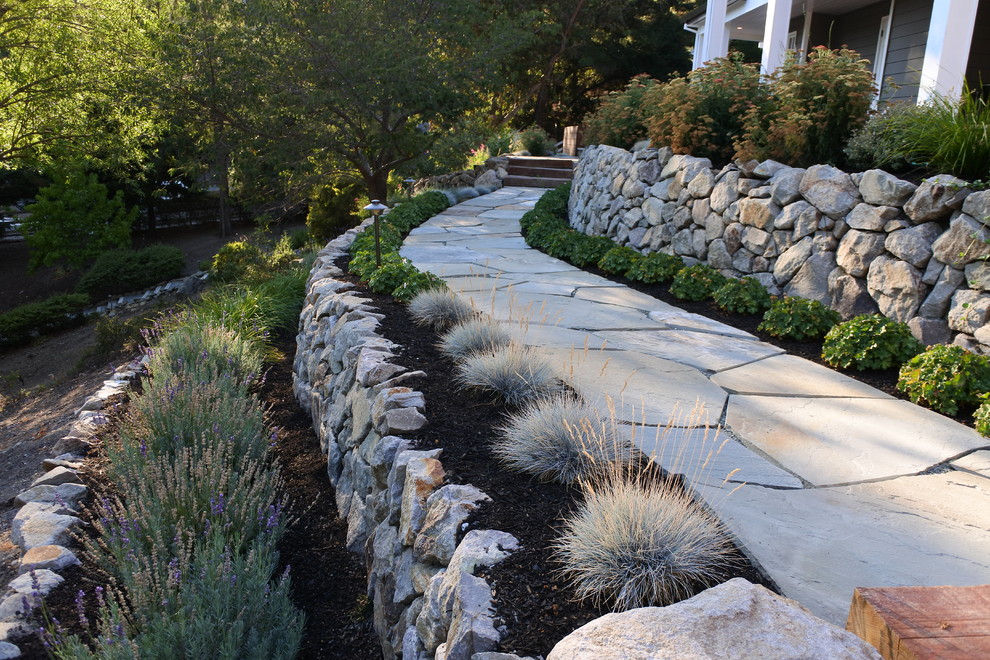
(534, 181)
(549, 172)
(542, 161)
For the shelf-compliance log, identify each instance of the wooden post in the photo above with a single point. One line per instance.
(917, 623)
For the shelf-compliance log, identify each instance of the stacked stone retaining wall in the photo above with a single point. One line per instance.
(400, 515)
(861, 243)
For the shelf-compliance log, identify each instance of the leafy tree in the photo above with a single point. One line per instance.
(75, 220)
(64, 66)
(368, 86)
(583, 49)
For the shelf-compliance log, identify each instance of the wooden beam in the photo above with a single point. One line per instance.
(917, 623)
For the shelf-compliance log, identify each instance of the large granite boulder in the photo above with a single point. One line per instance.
(733, 621)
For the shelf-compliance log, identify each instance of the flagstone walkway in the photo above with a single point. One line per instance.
(828, 483)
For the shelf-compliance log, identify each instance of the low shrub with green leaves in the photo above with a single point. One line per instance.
(236, 260)
(555, 201)
(588, 250)
(59, 312)
(982, 416)
(124, 271)
(799, 319)
(869, 341)
(743, 296)
(946, 378)
(698, 282)
(396, 276)
(536, 141)
(618, 260)
(655, 267)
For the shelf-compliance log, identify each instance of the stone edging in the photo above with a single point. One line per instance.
(427, 602)
(44, 525)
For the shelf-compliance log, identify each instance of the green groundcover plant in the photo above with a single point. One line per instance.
(869, 341)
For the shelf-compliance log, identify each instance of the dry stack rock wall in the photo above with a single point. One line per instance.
(408, 524)
(861, 243)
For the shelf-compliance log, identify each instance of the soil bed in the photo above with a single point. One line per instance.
(535, 604)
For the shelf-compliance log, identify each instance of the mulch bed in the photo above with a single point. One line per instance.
(537, 606)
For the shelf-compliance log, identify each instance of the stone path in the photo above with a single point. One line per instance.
(828, 483)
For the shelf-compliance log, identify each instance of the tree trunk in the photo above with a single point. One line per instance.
(223, 170)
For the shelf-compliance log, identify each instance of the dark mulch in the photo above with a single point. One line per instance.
(536, 605)
(328, 582)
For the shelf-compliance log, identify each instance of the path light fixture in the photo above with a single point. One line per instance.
(377, 208)
(408, 182)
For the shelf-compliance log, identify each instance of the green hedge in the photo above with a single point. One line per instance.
(61, 311)
(124, 271)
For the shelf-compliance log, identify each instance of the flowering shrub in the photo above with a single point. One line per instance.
(620, 120)
(703, 114)
(813, 109)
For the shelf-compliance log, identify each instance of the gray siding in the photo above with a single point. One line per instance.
(978, 71)
(906, 52)
(860, 30)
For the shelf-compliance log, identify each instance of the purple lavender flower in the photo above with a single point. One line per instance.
(81, 609)
(217, 504)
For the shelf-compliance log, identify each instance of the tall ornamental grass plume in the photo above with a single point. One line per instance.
(175, 411)
(475, 336)
(515, 373)
(439, 309)
(636, 542)
(205, 353)
(560, 438)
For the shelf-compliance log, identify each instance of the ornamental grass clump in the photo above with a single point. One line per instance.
(439, 309)
(561, 439)
(515, 373)
(869, 341)
(946, 378)
(637, 543)
(475, 336)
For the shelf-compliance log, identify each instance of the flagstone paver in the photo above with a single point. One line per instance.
(825, 482)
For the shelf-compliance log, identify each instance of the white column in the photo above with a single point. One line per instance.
(699, 54)
(775, 34)
(716, 41)
(809, 12)
(950, 35)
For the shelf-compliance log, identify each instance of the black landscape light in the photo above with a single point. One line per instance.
(377, 208)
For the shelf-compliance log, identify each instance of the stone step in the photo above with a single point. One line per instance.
(533, 181)
(552, 162)
(551, 172)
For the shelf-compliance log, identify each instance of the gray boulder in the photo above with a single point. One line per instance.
(896, 286)
(830, 190)
(733, 621)
(858, 249)
(936, 198)
(850, 296)
(883, 189)
(811, 281)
